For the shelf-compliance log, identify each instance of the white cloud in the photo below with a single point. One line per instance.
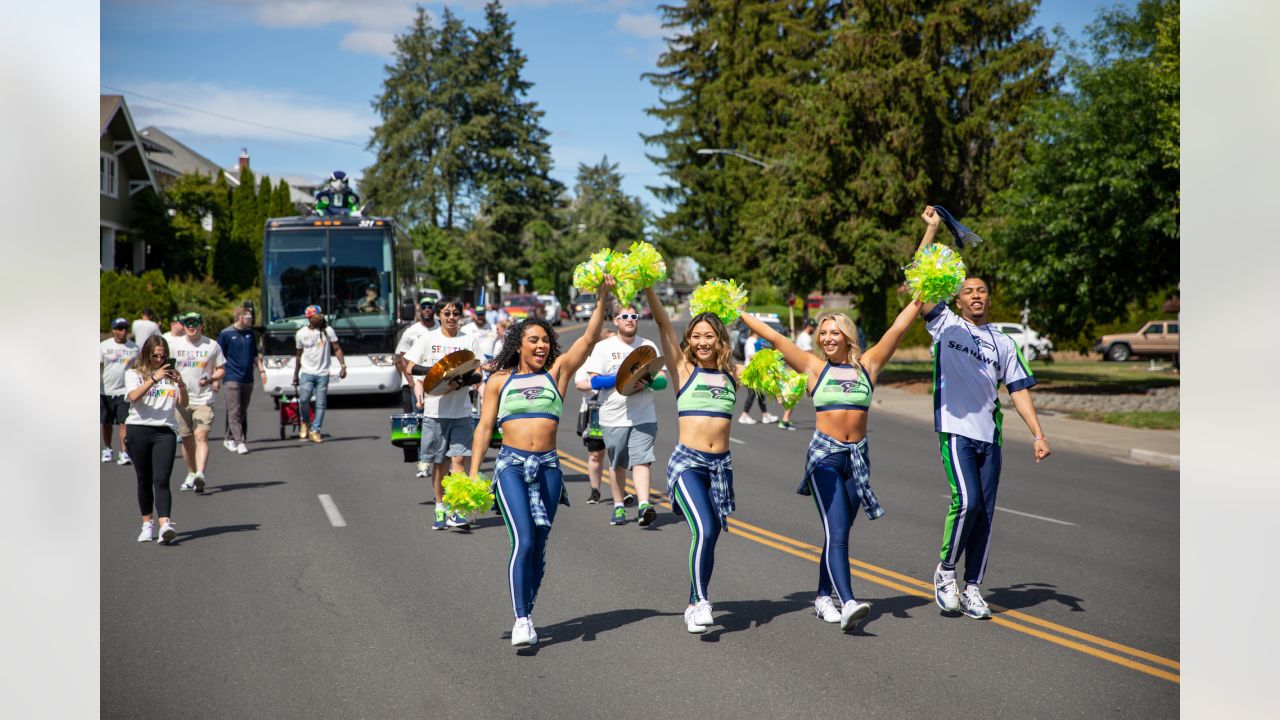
(258, 106)
(644, 26)
(374, 42)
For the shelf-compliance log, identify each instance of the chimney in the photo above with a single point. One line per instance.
(244, 159)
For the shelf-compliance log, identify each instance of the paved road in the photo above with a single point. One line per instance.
(265, 609)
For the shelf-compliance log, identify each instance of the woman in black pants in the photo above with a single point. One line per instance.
(154, 391)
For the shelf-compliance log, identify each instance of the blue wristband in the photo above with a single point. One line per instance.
(602, 382)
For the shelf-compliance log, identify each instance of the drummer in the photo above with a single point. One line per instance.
(629, 422)
(526, 395)
(446, 418)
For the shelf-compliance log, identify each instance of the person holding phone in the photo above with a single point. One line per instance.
(155, 392)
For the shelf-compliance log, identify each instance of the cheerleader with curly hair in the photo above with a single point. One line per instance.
(525, 396)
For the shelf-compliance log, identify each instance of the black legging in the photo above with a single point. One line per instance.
(152, 448)
(753, 396)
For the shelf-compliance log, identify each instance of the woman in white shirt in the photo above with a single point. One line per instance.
(154, 390)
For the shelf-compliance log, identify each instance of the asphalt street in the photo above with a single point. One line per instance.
(270, 606)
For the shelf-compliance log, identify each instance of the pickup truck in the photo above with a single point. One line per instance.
(1158, 338)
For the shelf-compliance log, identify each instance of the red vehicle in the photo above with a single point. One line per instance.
(522, 306)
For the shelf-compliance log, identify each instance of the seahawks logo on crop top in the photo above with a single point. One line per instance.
(531, 393)
(847, 386)
(716, 392)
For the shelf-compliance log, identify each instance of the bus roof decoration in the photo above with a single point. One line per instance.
(337, 198)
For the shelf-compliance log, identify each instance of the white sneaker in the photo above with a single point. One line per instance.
(702, 616)
(973, 605)
(746, 419)
(148, 531)
(124, 458)
(229, 444)
(242, 449)
(853, 613)
(167, 533)
(826, 610)
(522, 633)
(944, 590)
(423, 469)
(197, 483)
(106, 455)
(188, 483)
(690, 621)
(768, 418)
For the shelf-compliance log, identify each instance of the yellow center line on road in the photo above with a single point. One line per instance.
(1003, 617)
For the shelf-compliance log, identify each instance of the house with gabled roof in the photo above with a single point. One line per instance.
(123, 174)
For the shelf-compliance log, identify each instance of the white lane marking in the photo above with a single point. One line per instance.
(740, 442)
(1027, 514)
(330, 509)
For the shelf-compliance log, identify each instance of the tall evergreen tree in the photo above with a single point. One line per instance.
(282, 200)
(235, 263)
(220, 240)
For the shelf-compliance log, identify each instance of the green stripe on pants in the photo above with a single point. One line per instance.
(953, 511)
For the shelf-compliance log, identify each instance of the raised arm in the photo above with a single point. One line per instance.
(484, 426)
(581, 348)
(932, 220)
(874, 360)
(799, 360)
(667, 338)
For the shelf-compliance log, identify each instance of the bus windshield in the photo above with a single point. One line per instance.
(346, 271)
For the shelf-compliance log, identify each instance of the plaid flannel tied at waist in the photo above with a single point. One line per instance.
(684, 458)
(857, 481)
(508, 458)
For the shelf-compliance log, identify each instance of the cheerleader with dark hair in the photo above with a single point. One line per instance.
(525, 396)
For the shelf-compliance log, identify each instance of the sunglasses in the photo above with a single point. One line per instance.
(191, 323)
(627, 316)
(450, 314)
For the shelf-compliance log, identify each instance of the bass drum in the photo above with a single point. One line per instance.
(406, 430)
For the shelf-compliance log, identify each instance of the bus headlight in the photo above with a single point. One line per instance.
(275, 362)
(382, 360)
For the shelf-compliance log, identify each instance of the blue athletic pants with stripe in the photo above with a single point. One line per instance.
(973, 472)
(528, 541)
(837, 510)
(693, 492)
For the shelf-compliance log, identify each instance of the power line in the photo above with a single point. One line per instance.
(234, 119)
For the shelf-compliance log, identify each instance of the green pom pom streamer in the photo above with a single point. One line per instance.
(793, 387)
(935, 274)
(588, 275)
(466, 496)
(723, 298)
(647, 263)
(764, 373)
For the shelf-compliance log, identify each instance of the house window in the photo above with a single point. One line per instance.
(108, 175)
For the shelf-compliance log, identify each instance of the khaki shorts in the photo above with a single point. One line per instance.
(193, 418)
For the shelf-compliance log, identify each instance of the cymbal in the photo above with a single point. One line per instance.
(455, 364)
(637, 370)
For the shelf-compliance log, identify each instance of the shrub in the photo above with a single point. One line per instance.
(121, 294)
(205, 297)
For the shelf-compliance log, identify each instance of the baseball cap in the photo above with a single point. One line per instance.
(119, 323)
(312, 310)
(480, 310)
(428, 300)
(810, 322)
(192, 319)
(175, 318)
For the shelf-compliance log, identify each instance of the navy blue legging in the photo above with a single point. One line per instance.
(973, 472)
(528, 541)
(837, 510)
(693, 493)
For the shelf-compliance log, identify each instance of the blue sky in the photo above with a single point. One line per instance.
(313, 66)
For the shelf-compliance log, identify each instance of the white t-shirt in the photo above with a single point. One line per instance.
(197, 360)
(804, 341)
(114, 358)
(427, 350)
(156, 408)
(143, 329)
(487, 337)
(315, 346)
(971, 361)
(618, 410)
(407, 338)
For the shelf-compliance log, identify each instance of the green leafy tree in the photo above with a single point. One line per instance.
(236, 260)
(1090, 223)
(220, 243)
(198, 208)
(282, 201)
(449, 264)
(601, 213)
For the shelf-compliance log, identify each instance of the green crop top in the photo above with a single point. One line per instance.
(842, 387)
(531, 395)
(712, 395)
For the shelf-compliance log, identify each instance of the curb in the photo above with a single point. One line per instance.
(1151, 457)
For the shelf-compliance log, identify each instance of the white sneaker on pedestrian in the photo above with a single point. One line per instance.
(768, 418)
(148, 531)
(106, 455)
(826, 610)
(124, 458)
(973, 605)
(229, 444)
(746, 419)
(197, 483)
(423, 470)
(690, 621)
(853, 613)
(188, 483)
(242, 449)
(944, 590)
(167, 533)
(522, 633)
(702, 614)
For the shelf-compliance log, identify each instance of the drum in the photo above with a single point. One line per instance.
(593, 421)
(637, 370)
(495, 438)
(406, 430)
(455, 364)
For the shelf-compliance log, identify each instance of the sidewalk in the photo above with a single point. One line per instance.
(1151, 447)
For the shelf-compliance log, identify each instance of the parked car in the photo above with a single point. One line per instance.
(1158, 338)
(551, 308)
(738, 334)
(1033, 345)
(583, 305)
(520, 307)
